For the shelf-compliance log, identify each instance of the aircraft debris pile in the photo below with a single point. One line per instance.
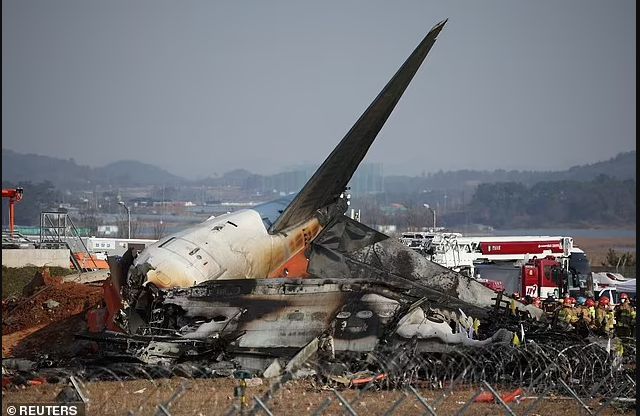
(264, 319)
(385, 293)
(269, 287)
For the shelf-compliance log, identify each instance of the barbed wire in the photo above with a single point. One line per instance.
(593, 377)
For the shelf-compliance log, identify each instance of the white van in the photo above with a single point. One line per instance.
(611, 293)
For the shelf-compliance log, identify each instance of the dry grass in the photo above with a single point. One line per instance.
(596, 248)
(215, 397)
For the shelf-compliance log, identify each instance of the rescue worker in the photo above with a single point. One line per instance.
(605, 319)
(632, 303)
(567, 314)
(590, 304)
(549, 305)
(582, 310)
(126, 261)
(537, 302)
(583, 325)
(625, 316)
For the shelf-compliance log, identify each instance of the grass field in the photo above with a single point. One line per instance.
(216, 396)
(597, 248)
(15, 278)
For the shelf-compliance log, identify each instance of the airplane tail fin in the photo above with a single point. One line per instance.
(332, 177)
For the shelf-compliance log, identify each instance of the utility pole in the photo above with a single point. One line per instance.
(128, 218)
(434, 214)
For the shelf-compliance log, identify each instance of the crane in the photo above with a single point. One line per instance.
(14, 195)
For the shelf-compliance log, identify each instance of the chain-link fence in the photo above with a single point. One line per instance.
(543, 378)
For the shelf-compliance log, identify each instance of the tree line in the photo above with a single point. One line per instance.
(604, 201)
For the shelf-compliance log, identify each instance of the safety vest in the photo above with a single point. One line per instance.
(583, 313)
(625, 314)
(611, 321)
(568, 315)
(601, 317)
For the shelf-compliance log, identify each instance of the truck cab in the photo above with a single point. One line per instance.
(542, 276)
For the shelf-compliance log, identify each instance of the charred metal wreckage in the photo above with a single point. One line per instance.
(277, 283)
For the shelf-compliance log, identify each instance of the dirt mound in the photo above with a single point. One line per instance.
(50, 300)
(14, 279)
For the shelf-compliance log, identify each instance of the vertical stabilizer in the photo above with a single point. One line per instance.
(332, 177)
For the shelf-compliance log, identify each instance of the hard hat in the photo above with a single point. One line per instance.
(581, 300)
(603, 300)
(567, 302)
(590, 302)
(624, 296)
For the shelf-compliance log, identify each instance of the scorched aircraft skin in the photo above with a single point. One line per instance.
(292, 275)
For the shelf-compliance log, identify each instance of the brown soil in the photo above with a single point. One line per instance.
(73, 298)
(31, 328)
(10, 341)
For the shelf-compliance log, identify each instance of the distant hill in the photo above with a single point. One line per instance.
(130, 172)
(18, 167)
(621, 167)
(67, 174)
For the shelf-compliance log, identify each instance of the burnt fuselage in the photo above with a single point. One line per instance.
(231, 246)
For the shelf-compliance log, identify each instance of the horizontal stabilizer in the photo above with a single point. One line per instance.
(332, 177)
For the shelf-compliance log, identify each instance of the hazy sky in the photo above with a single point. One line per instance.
(203, 87)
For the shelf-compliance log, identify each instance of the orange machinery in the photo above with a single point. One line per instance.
(14, 195)
(89, 262)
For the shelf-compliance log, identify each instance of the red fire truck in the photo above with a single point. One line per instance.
(541, 276)
(533, 265)
(463, 253)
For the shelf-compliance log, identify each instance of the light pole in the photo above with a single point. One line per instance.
(434, 214)
(129, 218)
